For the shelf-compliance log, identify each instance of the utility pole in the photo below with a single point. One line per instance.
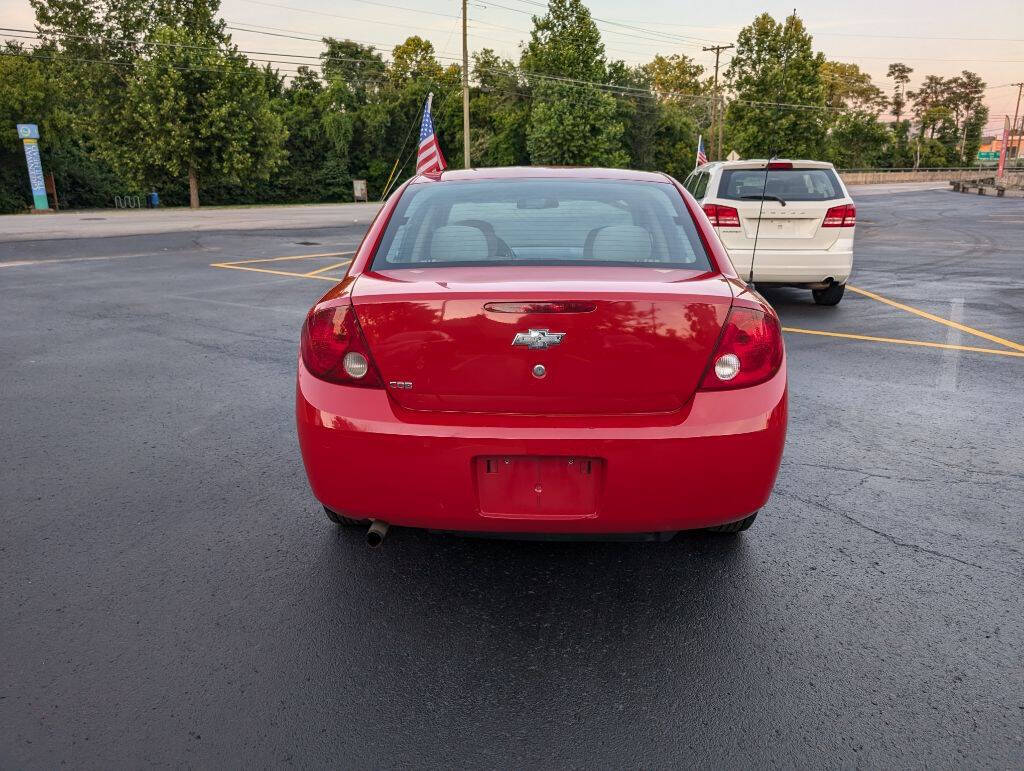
(465, 90)
(716, 151)
(1013, 126)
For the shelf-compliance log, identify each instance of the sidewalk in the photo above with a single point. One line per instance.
(103, 223)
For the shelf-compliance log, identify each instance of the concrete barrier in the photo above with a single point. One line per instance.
(884, 176)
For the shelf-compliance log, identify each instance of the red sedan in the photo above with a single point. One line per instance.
(542, 351)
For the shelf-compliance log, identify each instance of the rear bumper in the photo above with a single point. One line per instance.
(794, 267)
(712, 463)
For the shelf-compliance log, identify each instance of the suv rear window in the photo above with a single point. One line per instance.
(541, 222)
(787, 184)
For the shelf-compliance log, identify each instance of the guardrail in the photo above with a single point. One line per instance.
(881, 176)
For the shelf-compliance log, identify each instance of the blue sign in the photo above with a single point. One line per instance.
(29, 133)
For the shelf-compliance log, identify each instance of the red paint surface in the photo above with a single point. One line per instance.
(620, 394)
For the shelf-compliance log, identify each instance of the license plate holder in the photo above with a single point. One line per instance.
(538, 486)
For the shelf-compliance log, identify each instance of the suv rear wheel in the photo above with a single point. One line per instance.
(830, 296)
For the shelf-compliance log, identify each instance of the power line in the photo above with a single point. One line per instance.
(317, 37)
(820, 32)
(666, 36)
(359, 19)
(916, 37)
(283, 58)
(615, 88)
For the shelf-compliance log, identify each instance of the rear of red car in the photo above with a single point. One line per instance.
(538, 350)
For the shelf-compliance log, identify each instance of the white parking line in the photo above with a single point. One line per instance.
(951, 356)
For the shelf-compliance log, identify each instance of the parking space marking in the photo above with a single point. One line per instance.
(316, 274)
(939, 320)
(899, 341)
(274, 272)
(329, 267)
(286, 258)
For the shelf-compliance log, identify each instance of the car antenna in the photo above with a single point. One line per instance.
(760, 209)
(768, 164)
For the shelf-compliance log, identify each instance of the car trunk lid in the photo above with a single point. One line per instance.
(635, 340)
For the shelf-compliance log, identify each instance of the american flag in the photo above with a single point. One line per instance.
(429, 157)
(702, 157)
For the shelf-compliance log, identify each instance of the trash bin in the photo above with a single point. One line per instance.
(152, 200)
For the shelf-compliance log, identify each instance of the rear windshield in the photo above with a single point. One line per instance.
(787, 184)
(541, 222)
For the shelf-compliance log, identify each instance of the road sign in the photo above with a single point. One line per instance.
(988, 155)
(29, 134)
(732, 156)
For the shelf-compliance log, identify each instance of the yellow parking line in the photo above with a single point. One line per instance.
(289, 257)
(898, 341)
(274, 272)
(329, 267)
(940, 320)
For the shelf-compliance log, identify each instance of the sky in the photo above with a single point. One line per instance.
(938, 37)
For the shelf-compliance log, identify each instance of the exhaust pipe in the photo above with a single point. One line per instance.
(376, 534)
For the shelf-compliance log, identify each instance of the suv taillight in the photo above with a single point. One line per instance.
(722, 216)
(844, 216)
(749, 352)
(333, 348)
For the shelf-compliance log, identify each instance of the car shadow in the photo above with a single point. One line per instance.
(531, 603)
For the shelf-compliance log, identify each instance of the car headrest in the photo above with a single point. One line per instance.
(794, 187)
(454, 243)
(622, 242)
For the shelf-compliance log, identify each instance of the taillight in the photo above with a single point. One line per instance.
(749, 352)
(333, 348)
(844, 216)
(722, 216)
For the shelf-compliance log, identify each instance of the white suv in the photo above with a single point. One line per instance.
(807, 221)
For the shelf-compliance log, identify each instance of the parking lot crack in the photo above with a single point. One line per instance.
(865, 474)
(825, 506)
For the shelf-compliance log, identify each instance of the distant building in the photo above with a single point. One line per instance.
(994, 144)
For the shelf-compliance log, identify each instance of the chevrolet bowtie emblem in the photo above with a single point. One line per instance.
(538, 338)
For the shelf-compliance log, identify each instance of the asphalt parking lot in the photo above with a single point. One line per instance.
(173, 595)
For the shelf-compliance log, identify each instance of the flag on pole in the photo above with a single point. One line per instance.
(702, 157)
(429, 157)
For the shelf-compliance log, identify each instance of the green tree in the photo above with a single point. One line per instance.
(846, 87)
(930, 106)
(500, 108)
(675, 78)
(358, 66)
(900, 74)
(198, 108)
(572, 120)
(964, 99)
(779, 100)
(414, 59)
(857, 140)
(675, 140)
(42, 87)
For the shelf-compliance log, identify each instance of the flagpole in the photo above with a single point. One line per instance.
(696, 161)
(465, 90)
